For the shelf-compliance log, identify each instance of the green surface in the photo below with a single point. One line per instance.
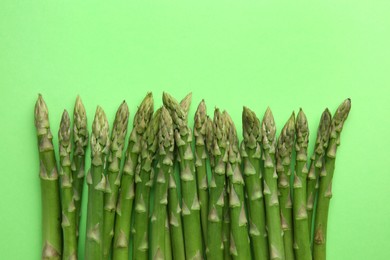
(285, 55)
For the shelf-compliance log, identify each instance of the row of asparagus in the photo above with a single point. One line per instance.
(229, 201)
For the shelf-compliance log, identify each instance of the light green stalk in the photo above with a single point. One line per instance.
(283, 168)
(226, 230)
(175, 223)
(124, 206)
(251, 156)
(50, 194)
(201, 166)
(165, 169)
(143, 183)
(274, 227)
(100, 145)
(118, 136)
(316, 164)
(190, 202)
(67, 198)
(80, 143)
(239, 238)
(168, 245)
(325, 186)
(218, 150)
(301, 227)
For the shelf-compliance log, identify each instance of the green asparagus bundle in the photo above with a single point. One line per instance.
(217, 141)
(283, 168)
(272, 208)
(316, 165)
(96, 180)
(301, 227)
(200, 164)
(124, 207)
(190, 201)
(239, 239)
(164, 170)
(68, 202)
(50, 194)
(80, 143)
(117, 143)
(325, 184)
(251, 156)
(143, 183)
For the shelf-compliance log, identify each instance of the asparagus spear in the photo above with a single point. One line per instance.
(283, 169)
(239, 239)
(124, 206)
(175, 223)
(67, 200)
(272, 209)
(80, 143)
(316, 164)
(100, 144)
(226, 232)
(50, 194)
(190, 202)
(165, 168)
(218, 153)
(301, 228)
(118, 136)
(251, 154)
(325, 186)
(168, 245)
(200, 164)
(143, 182)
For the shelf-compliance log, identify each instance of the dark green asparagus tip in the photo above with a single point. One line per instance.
(185, 103)
(80, 131)
(341, 115)
(302, 129)
(64, 132)
(166, 137)
(286, 140)
(120, 128)
(323, 131)
(152, 131)
(250, 128)
(144, 114)
(41, 115)
(178, 114)
(269, 131)
(200, 115)
(209, 134)
(100, 141)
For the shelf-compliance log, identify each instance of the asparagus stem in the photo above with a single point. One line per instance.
(80, 143)
(200, 164)
(175, 223)
(283, 169)
(275, 238)
(226, 230)
(118, 136)
(301, 228)
(68, 203)
(239, 239)
(50, 194)
(325, 185)
(316, 165)
(100, 144)
(217, 141)
(251, 154)
(143, 182)
(168, 245)
(124, 206)
(190, 202)
(165, 168)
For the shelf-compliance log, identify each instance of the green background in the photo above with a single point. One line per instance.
(284, 55)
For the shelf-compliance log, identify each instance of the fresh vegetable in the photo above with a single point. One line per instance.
(326, 177)
(50, 193)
